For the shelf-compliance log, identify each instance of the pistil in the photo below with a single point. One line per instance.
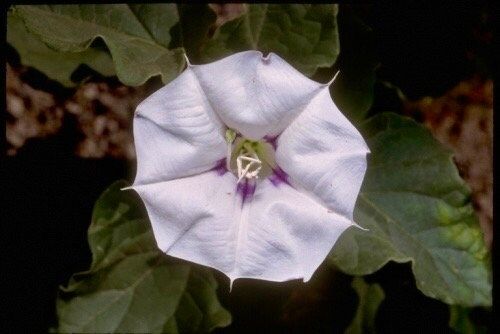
(249, 156)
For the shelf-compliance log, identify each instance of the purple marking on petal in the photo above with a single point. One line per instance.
(272, 140)
(220, 168)
(246, 189)
(278, 177)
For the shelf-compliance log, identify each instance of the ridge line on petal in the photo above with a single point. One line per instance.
(183, 233)
(317, 200)
(320, 89)
(133, 186)
(207, 111)
(242, 223)
(176, 135)
(202, 91)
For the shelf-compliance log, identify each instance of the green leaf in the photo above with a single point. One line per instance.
(131, 285)
(353, 90)
(193, 32)
(137, 36)
(55, 65)
(304, 35)
(460, 321)
(417, 209)
(370, 297)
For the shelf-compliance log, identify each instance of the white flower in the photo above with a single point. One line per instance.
(247, 166)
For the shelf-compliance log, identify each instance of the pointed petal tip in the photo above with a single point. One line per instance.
(267, 58)
(127, 188)
(367, 148)
(329, 83)
(231, 283)
(187, 60)
(360, 227)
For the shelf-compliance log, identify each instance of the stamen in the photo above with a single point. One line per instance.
(252, 161)
(228, 156)
(249, 159)
(243, 173)
(248, 156)
(230, 137)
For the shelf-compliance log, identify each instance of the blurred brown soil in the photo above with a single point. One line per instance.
(462, 119)
(31, 113)
(227, 12)
(103, 114)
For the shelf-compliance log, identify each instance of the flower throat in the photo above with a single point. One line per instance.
(248, 159)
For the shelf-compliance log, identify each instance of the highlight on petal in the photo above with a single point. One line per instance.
(176, 132)
(324, 154)
(254, 95)
(280, 234)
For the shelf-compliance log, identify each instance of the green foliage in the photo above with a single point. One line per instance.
(370, 297)
(194, 29)
(460, 321)
(132, 286)
(148, 40)
(54, 64)
(138, 36)
(304, 35)
(417, 209)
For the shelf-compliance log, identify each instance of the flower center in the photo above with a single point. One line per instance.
(248, 159)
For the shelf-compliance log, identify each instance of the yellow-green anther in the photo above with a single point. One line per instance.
(230, 136)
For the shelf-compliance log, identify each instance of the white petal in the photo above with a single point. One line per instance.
(193, 218)
(256, 96)
(324, 154)
(288, 234)
(176, 132)
(278, 235)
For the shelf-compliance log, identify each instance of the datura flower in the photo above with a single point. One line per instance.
(247, 166)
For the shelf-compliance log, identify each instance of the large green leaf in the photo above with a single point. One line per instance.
(417, 209)
(138, 36)
(370, 296)
(305, 35)
(54, 64)
(131, 285)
